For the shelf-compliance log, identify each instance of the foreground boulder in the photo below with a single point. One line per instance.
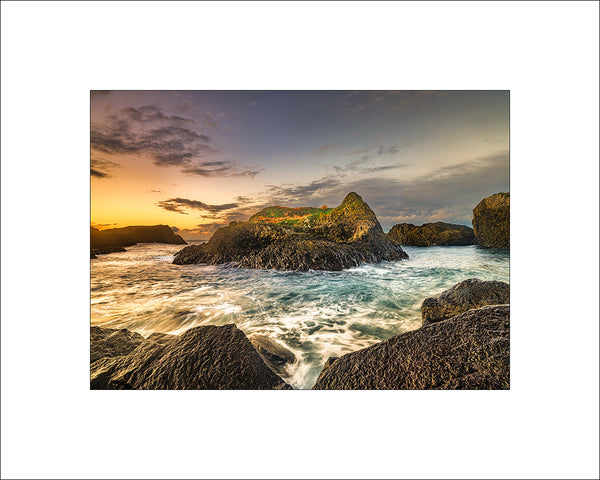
(299, 239)
(114, 239)
(106, 342)
(466, 295)
(205, 357)
(432, 234)
(491, 221)
(469, 351)
(275, 355)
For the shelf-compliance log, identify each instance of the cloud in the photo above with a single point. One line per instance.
(169, 140)
(99, 167)
(151, 113)
(220, 168)
(294, 193)
(97, 173)
(175, 229)
(100, 225)
(178, 205)
(367, 163)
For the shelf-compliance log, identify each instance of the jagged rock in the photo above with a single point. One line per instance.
(466, 295)
(491, 221)
(275, 355)
(114, 239)
(302, 239)
(432, 234)
(108, 342)
(205, 357)
(469, 351)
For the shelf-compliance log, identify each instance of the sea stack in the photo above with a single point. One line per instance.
(491, 221)
(432, 234)
(302, 239)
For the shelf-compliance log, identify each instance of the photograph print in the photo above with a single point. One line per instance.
(286, 240)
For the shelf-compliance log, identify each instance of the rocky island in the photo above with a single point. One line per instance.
(432, 234)
(491, 221)
(299, 239)
(115, 239)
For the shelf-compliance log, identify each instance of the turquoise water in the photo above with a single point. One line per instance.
(314, 314)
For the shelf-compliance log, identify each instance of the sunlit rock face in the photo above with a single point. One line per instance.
(107, 342)
(206, 357)
(432, 234)
(491, 221)
(300, 239)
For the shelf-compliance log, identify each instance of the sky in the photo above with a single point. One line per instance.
(197, 160)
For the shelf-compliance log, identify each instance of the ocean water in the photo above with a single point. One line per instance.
(314, 314)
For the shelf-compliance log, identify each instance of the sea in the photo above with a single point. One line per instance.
(314, 314)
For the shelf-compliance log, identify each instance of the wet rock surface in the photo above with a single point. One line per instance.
(328, 239)
(432, 234)
(469, 351)
(205, 357)
(466, 295)
(275, 355)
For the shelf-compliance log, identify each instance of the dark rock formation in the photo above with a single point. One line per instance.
(114, 239)
(432, 234)
(106, 342)
(328, 364)
(317, 239)
(103, 251)
(205, 357)
(275, 355)
(491, 221)
(469, 351)
(466, 295)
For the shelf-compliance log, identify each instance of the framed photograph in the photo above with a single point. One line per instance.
(300, 239)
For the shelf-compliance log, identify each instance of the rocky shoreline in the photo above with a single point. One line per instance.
(463, 344)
